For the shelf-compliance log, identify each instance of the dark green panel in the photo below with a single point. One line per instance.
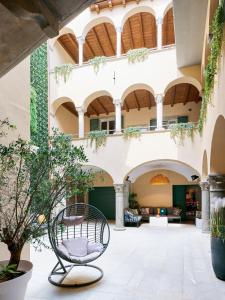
(182, 119)
(179, 192)
(104, 199)
(153, 124)
(94, 124)
(122, 121)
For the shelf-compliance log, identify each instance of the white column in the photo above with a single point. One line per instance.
(118, 41)
(117, 103)
(119, 190)
(159, 32)
(81, 121)
(205, 207)
(159, 111)
(80, 43)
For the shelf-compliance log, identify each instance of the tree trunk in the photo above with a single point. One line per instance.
(15, 254)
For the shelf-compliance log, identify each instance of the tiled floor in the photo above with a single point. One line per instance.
(141, 263)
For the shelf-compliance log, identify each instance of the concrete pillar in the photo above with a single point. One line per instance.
(217, 188)
(159, 111)
(205, 207)
(118, 41)
(159, 23)
(119, 190)
(80, 43)
(117, 103)
(80, 121)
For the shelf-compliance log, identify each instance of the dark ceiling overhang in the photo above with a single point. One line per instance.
(26, 24)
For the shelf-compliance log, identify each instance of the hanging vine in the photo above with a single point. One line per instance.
(180, 130)
(130, 132)
(97, 61)
(137, 55)
(98, 137)
(213, 61)
(63, 71)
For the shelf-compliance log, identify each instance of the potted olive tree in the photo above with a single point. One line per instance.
(32, 183)
(218, 238)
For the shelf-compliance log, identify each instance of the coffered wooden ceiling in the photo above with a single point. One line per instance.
(168, 36)
(182, 93)
(138, 99)
(101, 105)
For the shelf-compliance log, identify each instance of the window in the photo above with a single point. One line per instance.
(108, 125)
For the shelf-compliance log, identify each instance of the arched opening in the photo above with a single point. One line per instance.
(178, 192)
(217, 157)
(139, 31)
(205, 166)
(66, 118)
(100, 41)
(168, 36)
(137, 108)
(101, 114)
(185, 100)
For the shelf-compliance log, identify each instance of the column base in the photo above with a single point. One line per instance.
(117, 132)
(159, 129)
(119, 228)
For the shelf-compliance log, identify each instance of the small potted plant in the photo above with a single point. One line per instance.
(33, 181)
(218, 238)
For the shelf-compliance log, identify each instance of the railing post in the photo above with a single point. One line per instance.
(117, 103)
(159, 111)
(80, 121)
(159, 23)
(118, 41)
(80, 43)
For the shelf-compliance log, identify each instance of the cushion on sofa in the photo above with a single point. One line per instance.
(176, 211)
(163, 211)
(145, 210)
(170, 210)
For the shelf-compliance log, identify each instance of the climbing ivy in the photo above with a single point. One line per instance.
(33, 111)
(39, 82)
(213, 60)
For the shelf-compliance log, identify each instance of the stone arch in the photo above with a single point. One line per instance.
(93, 96)
(204, 165)
(101, 174)
(217, 155)
(59, 101)
(135, 10)
(137, 86)
(94, 22)
(184, 79)
(167, 8)
(163, 164)
(168, 34)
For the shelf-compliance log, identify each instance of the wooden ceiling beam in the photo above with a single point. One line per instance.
(99, 43)
(130, 33)
(89, 48)
(108, 36)
(149, 99)
(94, 110)
(72, 111)
(73, 42)
(67, 50)
(126, 106)
(142, 29)
(187, 94)
(173, 96)
(102, 106)
(136, 100)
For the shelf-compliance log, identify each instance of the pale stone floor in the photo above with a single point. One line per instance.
(141, 264)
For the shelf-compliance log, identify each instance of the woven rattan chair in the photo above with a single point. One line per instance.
(79, 234)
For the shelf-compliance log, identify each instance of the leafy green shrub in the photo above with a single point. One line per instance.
(218, 223)
(98, 137)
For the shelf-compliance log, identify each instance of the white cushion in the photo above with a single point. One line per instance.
(85, 258)
(72, 220)
(62, 249)
(76, 247)
(94, 247)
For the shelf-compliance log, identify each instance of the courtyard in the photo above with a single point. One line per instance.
(142, 263)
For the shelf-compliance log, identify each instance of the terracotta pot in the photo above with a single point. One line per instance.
(218, 257)
(16, 288)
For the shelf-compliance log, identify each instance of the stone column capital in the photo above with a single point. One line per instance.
(119, 188)
(216, 182)
(117, 102)
(159, 98)
(159, 20)
(204, 185)
(119, 29)
(80, 110)
(80, 40)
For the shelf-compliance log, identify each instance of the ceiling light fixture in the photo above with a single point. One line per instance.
(159, 179)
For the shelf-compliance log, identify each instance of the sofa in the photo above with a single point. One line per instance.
(172, 213)
(132, 217)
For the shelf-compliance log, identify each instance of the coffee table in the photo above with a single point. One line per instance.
(161, 221)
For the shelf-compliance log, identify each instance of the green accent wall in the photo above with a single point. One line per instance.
(182, 119)
(94, 124)
(104, 199)
(179, 192)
